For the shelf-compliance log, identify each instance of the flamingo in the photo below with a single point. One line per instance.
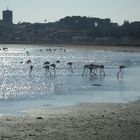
(70, 65)
(28, 61)
(58, 61)
(31, 68)
(53, 66)
(46, 63)
(47, 67)
(120, 70)
(93, 68)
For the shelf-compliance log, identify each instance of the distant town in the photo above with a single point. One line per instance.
(70, 30)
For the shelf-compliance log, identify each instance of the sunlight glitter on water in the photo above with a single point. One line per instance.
(66, 88)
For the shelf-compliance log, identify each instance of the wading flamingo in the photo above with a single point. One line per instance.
(120, 70)
(70, 65)
(93, 68)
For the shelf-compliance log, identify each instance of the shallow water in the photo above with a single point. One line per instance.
(21, 90)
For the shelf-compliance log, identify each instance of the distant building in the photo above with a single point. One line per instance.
(8, 17)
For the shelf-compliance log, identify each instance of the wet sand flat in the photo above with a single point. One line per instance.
(82, 122)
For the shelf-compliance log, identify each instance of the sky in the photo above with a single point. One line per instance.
(53, 10)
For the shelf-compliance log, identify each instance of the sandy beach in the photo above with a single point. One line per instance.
(82, 122)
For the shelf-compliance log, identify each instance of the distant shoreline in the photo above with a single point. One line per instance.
(119, 47)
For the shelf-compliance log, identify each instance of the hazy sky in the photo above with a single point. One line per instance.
(52, 10)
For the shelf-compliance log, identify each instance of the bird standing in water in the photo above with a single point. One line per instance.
(70, 66)
(120, 70)
(31, 68)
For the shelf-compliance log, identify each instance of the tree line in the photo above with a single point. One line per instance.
(75, 29)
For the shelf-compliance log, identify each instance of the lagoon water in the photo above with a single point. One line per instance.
(21, 90)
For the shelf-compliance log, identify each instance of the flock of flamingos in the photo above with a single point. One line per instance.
(93, 68)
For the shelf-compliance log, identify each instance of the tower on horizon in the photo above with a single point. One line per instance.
(8, 16)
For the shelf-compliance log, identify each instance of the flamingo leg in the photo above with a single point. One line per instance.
(118, 74)
(54, 70)
(71, 69)
(91, 71)
(102, 72)
(83, 72)
(47, 70)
